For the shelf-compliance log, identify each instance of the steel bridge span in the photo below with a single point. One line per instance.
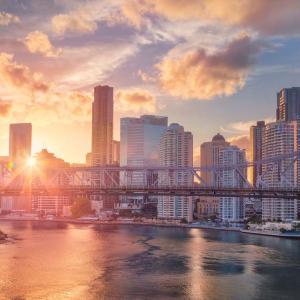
(188, 191)
(155, 180)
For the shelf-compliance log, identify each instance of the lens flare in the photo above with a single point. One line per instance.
(31, 161)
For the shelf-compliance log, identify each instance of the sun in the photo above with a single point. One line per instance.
(31, 161)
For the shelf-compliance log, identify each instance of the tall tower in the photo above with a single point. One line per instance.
(102, 126)
(232, 208)
(176, 150)
(139, 147)
(281, 138)
(256, 142)
(210, 152)
(288, 104)
(20, 135)
(140, 139)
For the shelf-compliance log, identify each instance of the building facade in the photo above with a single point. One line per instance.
(20, 137)
(139, 147)
(47, 164)
(208, 207)
(288, 104)
(280, 138)
(232, 208)
(116, 153)
(256, 141)
(176, 150)
(102, 126)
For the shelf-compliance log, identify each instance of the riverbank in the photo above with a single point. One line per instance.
(286, 235)
(156, 224)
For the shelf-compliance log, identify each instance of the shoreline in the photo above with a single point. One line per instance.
(190, 226)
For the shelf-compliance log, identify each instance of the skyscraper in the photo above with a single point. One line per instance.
(116, 153)
(20, 135)
(288, 104)
(280, 138)
(102, 125)
(176, 150)
(256, 141)
(209, 156)
(140, 138)
(139, 147)
(232, 208)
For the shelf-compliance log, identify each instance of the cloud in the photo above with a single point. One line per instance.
(38, 42)
(6, 18)
(19, 76)
(146, 77)
(263, 16)
(36, 100)
(243, 127)
(5, 107)
(74, 22)
(136, 100)
(242, 142)
(199, 75)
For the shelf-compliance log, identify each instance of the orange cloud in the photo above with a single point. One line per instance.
(47, 106)
(75, 22)
(136, 100)
(20, 76)
(6, 18)
(242, 142)
(38, 42)
(199, 75)
(5, 107)
(268, 17)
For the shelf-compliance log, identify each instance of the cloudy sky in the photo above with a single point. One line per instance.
(210, 65)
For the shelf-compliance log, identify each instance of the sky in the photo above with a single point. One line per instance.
(210, 65)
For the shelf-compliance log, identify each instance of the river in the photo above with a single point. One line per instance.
(65, 261)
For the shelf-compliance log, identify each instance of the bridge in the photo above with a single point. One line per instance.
(156, 180)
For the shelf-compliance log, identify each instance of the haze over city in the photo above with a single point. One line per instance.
(221, 65)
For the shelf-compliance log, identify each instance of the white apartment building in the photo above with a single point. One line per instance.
(232, 208)
(280, 138)
(176, 150)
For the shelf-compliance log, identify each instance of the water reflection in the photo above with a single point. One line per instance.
(61, 261)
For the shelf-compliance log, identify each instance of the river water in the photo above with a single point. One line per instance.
(65, 261)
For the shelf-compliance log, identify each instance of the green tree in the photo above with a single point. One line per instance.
(81, 207)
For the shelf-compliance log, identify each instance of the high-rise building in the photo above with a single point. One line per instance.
(140, 139)
(20, 135)
(280, 138)
(116, 153)
(232, 208)
(139, 145)
(88, 159)
(209, 156)
(102, 125)
(288, 104)
(256, 141)
(176, 150)
(210, 152)
(47, 164)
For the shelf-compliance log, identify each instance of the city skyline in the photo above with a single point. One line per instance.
(149, 149)
(50, 62)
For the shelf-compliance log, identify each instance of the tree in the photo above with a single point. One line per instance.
(183, 221)
(81, 207)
